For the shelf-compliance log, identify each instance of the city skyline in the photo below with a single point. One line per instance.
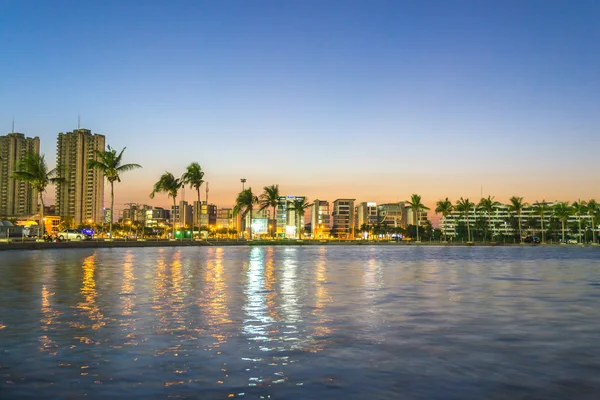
(367, 102)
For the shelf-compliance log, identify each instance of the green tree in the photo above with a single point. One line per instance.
(270, 198)
(244, 204)
(516, 206)
(541, 210)
(579, 209)
(488, 205)
(562, 211)
(109, 163)
(32, 169)
(299, 205)
(417, 207)
(445, 208)
(592, 209)
(464, 206)
(170, 185)
(194, 176)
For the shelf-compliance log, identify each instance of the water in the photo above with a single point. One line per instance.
(301, 323)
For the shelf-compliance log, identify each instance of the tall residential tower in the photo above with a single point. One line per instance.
(81, 194)
(17, 198)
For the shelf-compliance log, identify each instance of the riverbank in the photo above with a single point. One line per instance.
(34, 245)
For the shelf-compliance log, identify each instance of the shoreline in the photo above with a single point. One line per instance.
(99, 244)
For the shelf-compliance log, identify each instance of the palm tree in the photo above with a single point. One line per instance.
(32, 169)
(194, 176)
(244, 204)
(488, 205)
(516, 205)
(170, 185)
(464, 206)
(579, 209)
(270, 198)
(541, 209)
(109, 163)
(417, 207)
(445, 208)
(562, 210)
(299, 205)
(592, 209)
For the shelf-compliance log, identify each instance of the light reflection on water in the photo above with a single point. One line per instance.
(300, 322)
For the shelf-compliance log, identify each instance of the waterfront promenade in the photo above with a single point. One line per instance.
(35, 245)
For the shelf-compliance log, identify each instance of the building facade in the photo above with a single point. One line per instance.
(367, 213)
(17, 198)
(392, 214)
(81, 194)
(225, 218)
(182, 215)
(208, 214)
(320, 219)
(343, 218)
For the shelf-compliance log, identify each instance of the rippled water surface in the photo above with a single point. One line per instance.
(301, 323)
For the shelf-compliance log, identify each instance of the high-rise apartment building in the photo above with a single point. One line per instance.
(367, 213)
(16, 197)
(320, 219)
(343, 218)
(81, 195)
(182, 215)
(225, 218)
(287, 222)
(208, 214)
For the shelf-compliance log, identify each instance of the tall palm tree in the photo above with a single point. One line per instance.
(32, 169)
(562, 210)
(417, 207)
(445, 208)
(109, 163)
(488, 205)
(270, 198)
(194, 176)
(592, 209)
(299, 205)
(517, 205)
(244, 204)
(464, 206)
(579, 209)
(541, 210)
(170, 185)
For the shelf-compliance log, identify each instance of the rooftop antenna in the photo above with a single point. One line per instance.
(13, 125)
(78, 121)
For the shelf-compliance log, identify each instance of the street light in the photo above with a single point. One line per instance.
(243, 180)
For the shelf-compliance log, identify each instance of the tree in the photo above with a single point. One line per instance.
(109, 163)
(32, 169)
(579, 209)
(464, 206)
(488, 205)
(244, 204)
(170, 185)
(592, 209)
(194, 176)
(516, 205)
(417, 207)
(445, 208)
(562, 211)
(270, 198)
(299, 205)
(541, 210)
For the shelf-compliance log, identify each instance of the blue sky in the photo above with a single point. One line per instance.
(367, 99)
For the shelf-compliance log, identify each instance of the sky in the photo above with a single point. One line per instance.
(372, 100)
